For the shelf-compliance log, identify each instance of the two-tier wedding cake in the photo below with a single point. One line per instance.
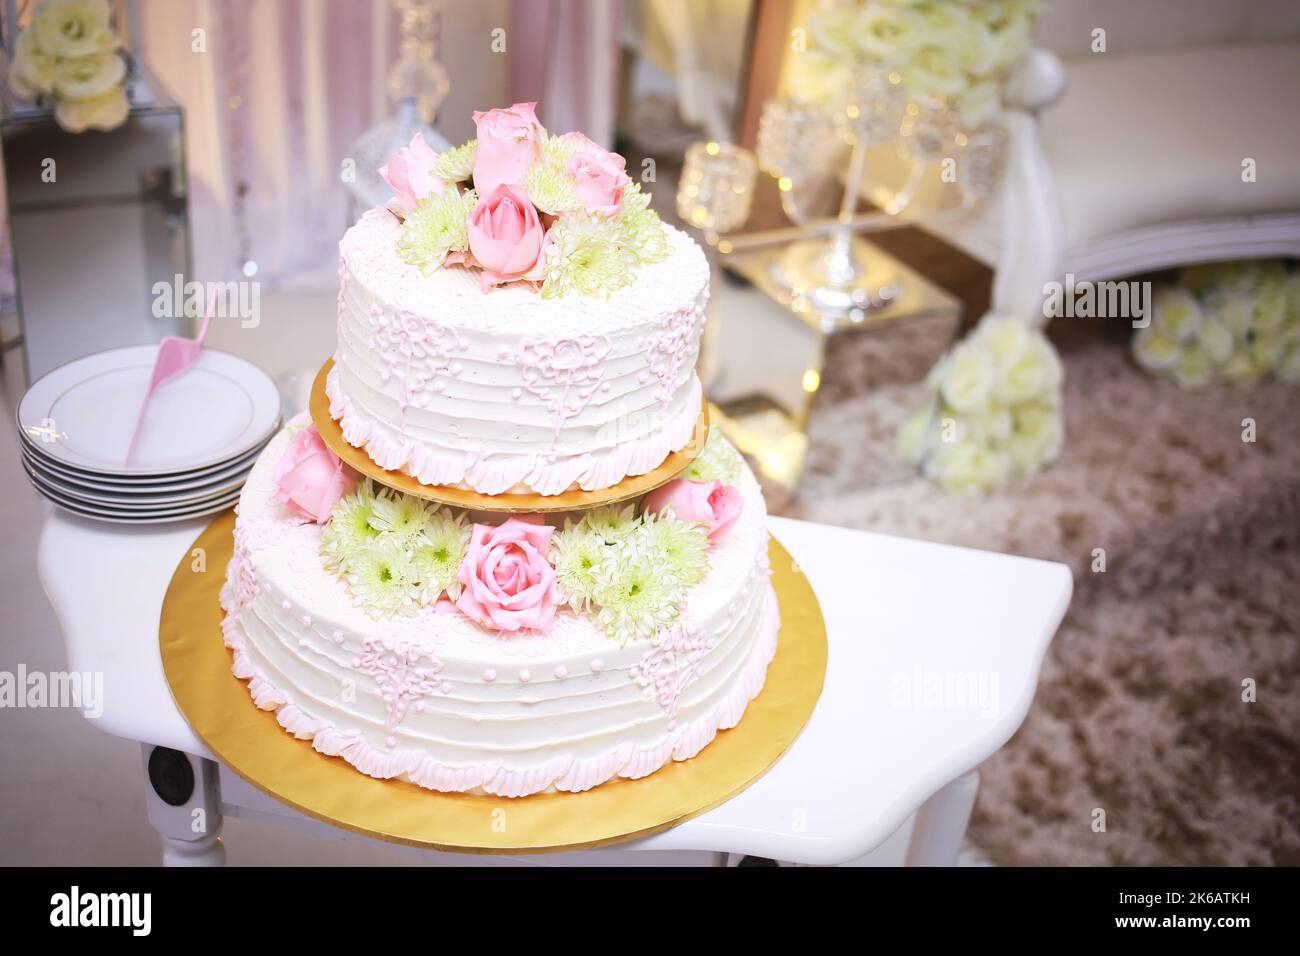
(516, 320)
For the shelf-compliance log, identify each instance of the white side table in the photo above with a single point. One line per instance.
(934, 655)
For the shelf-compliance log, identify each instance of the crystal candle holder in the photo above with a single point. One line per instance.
(717, 186)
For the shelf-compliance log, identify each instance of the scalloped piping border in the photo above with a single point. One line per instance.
(563, 773)
(497, 474)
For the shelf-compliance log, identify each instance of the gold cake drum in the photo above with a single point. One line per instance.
(251, 742)
(509, 502)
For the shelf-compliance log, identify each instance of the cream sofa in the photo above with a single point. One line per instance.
(1132, 160)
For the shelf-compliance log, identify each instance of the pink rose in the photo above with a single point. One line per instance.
(710, 503)
(598, 174)
(310, 478)
(509, 584)
(410, 172)
(508, 140)
(506, 236)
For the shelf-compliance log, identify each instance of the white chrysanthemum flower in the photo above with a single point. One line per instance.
(437, 226)
(1288, 369)
(1240, 368)
(968, 378)
(1034, 373)
(576, 552)
(1037, 437)
(611, 522)
(381, 576)
(1292, 286)
(1266, 348)
(1003, 337)
(585, 255)
(438, 553)
(1194, 367)
(643, 231)
(635, 597)
(682, 548)
(33, 69)
(456, 165)
(1270, 311)
(104, 112)
(888, 35)
(403, 515)
(1154, 350)
(70, 28)
(910, 444)
(87, 76)
(350, 529)
(1177, 314)
(1234, 309)
(963, 467)
(1215, 339)
(551, 188)
(718, 461)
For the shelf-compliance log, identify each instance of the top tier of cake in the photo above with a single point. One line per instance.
(506, 390)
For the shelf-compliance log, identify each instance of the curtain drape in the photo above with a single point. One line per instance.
(275, 92)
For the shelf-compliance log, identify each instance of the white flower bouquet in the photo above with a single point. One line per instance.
(946, 52)
(996, 412)
(69, 55)
(1235, 322)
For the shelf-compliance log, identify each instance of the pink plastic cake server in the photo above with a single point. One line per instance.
(175, 355)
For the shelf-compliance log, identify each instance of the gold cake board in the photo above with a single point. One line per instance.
(509, 502)
(253, 744)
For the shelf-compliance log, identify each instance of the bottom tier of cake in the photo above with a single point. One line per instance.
(436, 699)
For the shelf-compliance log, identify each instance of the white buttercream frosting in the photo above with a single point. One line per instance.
(437, 700)
(507, 391)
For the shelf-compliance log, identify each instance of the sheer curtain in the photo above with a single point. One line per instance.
(275, 92)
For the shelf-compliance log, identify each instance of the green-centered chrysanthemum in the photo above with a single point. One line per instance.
(403, 515)
(682, 548)
(719, 461)
(350, 528)
(634, 595)
(437, 556)
(551, 188)
(380, 577)
(643, 232)
(611, 522)
(436, 227)
(586, 255)
(576, 551)
(456, 165)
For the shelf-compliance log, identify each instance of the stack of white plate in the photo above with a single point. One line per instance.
(204, 430)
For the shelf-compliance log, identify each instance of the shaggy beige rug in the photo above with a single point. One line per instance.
(1140, 709)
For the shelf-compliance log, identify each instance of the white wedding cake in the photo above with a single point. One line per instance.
(536, 332)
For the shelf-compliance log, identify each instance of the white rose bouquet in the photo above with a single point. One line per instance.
(70, 56)
(945, 52)
(996, 412)
(1236, 322)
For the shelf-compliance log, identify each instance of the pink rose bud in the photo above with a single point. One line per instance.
(509, 583)
(310, 478)
(410, 172)
(599, 175)
(506, 237)
(508, 140)
(710, 503)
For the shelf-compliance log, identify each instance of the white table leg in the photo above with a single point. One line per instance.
(183, 798)
(941, 823)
